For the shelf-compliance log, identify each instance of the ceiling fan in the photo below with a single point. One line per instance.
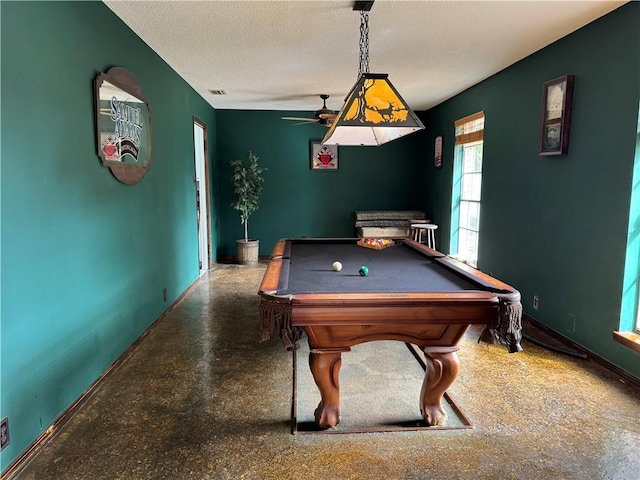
(324, 116)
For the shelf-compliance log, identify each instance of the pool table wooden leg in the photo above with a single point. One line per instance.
(325, 366)
(442, 368)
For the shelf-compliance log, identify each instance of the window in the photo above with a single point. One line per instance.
(466, 193)
(629, 329)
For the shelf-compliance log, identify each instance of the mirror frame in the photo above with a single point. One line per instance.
(123, 79)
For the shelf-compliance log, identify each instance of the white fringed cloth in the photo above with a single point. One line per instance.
(508, 330)
(275, 315)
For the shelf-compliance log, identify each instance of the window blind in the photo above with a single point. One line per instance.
(470, 129)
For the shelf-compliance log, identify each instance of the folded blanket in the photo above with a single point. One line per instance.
(387, 218)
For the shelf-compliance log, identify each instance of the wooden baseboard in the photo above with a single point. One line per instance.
(25, 457)
(626, 376)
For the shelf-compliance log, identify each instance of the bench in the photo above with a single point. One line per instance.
(386, 223)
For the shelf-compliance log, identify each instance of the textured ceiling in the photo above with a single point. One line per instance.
(281, 55)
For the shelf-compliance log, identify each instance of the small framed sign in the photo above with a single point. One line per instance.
(437, 160)
(557, 97)
(323, 157)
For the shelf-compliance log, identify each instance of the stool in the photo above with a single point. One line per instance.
(413, 232)
(429, 228)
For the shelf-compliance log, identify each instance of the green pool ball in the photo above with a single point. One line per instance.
(364, 271)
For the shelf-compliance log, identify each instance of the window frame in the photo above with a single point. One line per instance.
(469, 134)
(628, 332)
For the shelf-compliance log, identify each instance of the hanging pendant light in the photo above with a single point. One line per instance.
(374, 112)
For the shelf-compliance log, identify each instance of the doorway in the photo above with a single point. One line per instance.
(201, 184)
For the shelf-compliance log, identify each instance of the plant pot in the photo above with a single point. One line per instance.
(247, 251)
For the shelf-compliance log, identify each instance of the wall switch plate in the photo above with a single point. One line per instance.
(4, 433)
(571, 322)
(535, 302)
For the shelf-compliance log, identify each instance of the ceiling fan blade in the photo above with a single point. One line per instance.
(301, 119)
(324, 116)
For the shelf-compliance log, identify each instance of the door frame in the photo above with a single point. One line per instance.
(207, 192)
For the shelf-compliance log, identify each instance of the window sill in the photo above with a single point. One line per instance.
(628, 339)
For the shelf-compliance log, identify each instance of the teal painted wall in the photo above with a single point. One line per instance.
(84, 257)
(298, 201)
(556, 227)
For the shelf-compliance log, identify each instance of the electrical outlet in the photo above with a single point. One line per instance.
(571, 322)
(4, 433)
(164, 294)
(535, 302)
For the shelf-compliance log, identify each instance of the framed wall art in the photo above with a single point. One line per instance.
(557, 97)
(123, 125)
(323, 157)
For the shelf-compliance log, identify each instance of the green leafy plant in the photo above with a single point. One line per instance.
(247, 186)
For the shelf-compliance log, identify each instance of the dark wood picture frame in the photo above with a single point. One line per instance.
(323, 157)
(555, 125)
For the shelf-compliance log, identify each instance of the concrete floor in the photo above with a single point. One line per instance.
(202, 399)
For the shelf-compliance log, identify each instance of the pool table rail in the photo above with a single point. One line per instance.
(269, 284)
(312, 309)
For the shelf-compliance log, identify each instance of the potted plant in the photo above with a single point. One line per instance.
(247, 187)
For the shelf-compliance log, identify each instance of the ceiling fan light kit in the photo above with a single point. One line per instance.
(374, 113)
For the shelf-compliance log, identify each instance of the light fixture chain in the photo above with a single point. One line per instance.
(363, 67)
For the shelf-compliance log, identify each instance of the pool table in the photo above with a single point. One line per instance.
(411, 294)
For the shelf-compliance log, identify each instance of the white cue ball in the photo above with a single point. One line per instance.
(337, 266)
